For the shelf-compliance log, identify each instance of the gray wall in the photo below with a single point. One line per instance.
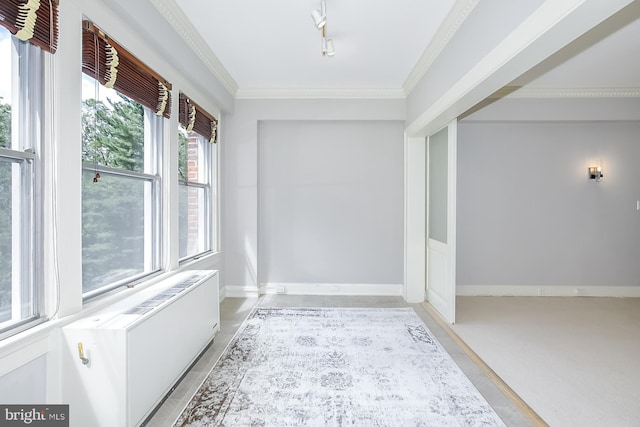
(241, 172)
(528, 215)
(330, 202)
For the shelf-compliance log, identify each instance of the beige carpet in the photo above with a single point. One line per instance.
(575, 361)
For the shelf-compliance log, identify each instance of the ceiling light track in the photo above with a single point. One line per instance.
(320, 21)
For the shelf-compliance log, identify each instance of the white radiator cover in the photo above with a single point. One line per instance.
(137, 349)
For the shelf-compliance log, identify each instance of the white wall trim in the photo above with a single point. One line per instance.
(551, 291)
(222, 293)
(458, 14)
(363, 289)
(452, 206)
(328, 93)
(602, 92)
(24, 353)
(241, 292)
(178, 20)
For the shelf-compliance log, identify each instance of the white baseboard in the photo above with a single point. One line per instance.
(362, 289)
(223, 294)
(241, 292)
(549, 291)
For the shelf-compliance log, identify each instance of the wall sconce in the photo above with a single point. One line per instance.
(595, 172)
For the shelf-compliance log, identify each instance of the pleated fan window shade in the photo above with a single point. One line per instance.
(35, 21)
(194, 118)
(115, 67)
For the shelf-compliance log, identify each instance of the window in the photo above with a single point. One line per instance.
(194, 194)
(26, 29)
(20, 114)
(196, 166)
(120, 189)
(122, 120)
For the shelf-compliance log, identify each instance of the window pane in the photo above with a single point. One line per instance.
(6, 255)
(192, 217)
(183, 156)
(112, 128)
(17, 297)
(194, 157)
(113, 229)
(438, 185)
(5, 87)
(194, 201)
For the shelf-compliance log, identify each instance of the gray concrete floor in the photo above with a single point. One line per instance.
(233, 311)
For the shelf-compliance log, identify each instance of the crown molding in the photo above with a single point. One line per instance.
(368, 93)
(555, 93)
(181, 24)
(353, 93)
(458, 14)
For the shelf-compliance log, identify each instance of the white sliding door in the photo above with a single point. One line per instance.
(441, 221)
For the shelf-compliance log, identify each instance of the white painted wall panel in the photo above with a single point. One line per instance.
(331, 202)
(26, 384)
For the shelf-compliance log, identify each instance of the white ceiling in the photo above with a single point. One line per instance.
(273, 44)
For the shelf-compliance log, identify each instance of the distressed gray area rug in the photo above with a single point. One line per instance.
(336, 367)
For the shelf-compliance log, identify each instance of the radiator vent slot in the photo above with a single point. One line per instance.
(166, 295)
(149, 304)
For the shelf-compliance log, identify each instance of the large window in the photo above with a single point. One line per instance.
(194, 194)
(196, 171)
(122, 120)
(120, 188)
(20, 132)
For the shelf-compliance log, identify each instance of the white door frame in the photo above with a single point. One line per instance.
(441, 257)
(415, 247)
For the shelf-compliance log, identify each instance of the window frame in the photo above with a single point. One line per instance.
(207, 154)
(27, 117)
(153, 202)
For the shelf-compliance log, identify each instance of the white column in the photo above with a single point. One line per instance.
(415, 219)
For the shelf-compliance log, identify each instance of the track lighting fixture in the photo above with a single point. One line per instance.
(320, 21)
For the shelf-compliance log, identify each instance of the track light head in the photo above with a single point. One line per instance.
(318, 19)
(328, 49)
(331, 50)
(320, 16)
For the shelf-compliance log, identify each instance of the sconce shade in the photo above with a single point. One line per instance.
(595, 173)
